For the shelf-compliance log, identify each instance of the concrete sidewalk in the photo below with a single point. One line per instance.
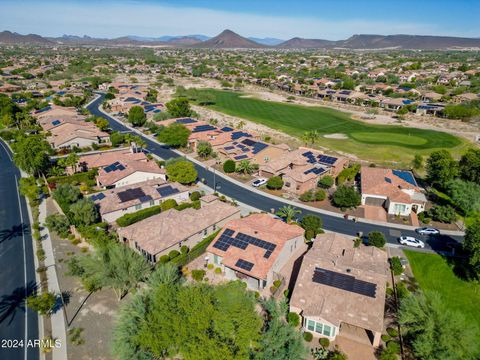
(58, 318)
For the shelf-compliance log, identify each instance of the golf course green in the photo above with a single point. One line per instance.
(379, 143)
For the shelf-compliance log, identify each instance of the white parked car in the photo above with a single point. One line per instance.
(259, 182)
(411, 241)
(427, 231)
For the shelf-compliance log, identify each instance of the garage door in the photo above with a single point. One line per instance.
(375, 201)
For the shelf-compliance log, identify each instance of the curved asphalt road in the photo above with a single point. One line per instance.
(256, 200)
(17, 267)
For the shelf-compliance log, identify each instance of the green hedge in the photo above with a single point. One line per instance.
(195, 252)
(129, 219)
(132, 218)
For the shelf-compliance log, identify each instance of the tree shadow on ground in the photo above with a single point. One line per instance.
(11, 303)
(15, 231)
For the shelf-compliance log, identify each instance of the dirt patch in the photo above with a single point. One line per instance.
(94, 313)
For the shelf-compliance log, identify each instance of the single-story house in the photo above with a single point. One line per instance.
(254, 249)
(395, 190)
(125, 171)
(172, 229)
(71, 135)
(302, 168)
(340, 289)
(108, 157)
(116, 202)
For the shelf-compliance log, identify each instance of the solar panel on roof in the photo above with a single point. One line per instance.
(308, 153)
(229, 147)
(388, 180)
(97, 197)
(238, 134)
(329, 160)
(167, 190)
(243, 264)
(202, 128)
(241, 241)
(240, 157)
(56, 122)
(248, 142)
(145, 198)
(344, 282)
(267, 254)
(226, 129)
(259, 147)
(130, 194)
(186, 121)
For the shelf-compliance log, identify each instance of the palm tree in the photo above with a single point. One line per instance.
(245, 166)
(288, 213)
(310, 136)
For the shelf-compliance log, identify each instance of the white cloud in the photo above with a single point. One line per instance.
(109, 19)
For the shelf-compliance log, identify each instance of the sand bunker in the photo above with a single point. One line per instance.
(336, 136)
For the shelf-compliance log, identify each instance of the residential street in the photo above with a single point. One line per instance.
(17, 276)
(263, 202)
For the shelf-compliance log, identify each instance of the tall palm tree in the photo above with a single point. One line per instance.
(310, 136)
(288, 213)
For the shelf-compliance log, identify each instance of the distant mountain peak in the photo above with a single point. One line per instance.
(228, 39)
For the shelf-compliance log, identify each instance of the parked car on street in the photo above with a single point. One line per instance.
(411, 241)
(259, 182)
(427, 231)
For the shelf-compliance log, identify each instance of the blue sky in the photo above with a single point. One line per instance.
(327, 19)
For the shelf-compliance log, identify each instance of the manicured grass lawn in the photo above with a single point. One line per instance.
(433, 273)
(380, 143)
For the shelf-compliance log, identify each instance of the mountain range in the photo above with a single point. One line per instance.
(231, 40)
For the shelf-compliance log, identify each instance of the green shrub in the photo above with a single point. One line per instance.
(229, 166)
(325, 342)
(195, 251)
(309, 234)
(173, 254)
(43, 303)
(320, 195)
(346, 197)
(444, 214)
(307, 336)
(198, 275)
(393, 346)
(184, 206)
(307, 196)
(168, 204)
(132, 218)
(357, 242)
(164, 259)
(389, 291)
(392, 332)
(402, 290)
(424, 217)
(396, 265)
(348, 174)
(277, 283)
(218, 270)
(275, 183)
(376, 238)
(195, 196)
(293, 319)
(326, 182)
(385, 337)
(210, 266)
(184, 249)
